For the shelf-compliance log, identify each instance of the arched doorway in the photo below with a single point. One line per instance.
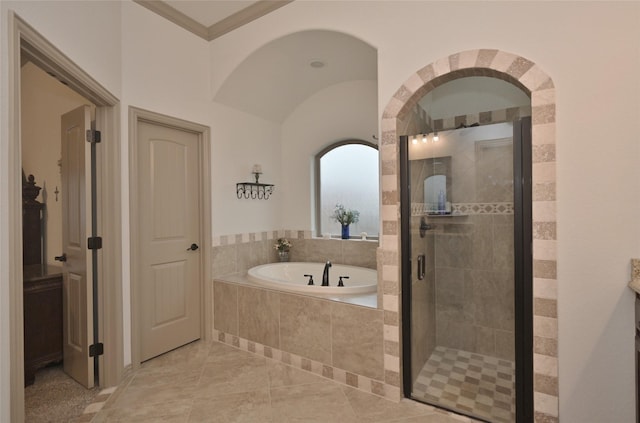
(530, 78)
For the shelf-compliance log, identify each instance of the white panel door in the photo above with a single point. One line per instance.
(171, 277)
(77, 302)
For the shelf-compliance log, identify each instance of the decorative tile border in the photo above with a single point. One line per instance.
(421, 209)
(428, 124)
(483, 118)
(222, 240)
(528, 76)
(363, 383)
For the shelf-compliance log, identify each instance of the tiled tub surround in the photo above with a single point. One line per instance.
(532, 79)
(329, 336)
(339, 341)
(235, 254)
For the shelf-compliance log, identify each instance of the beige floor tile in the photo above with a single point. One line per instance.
(169, 411)
(246, 407)
(139, 394)
(433, 418)
(184, 358)
(213, 382)
(233, 375)
(219, 351)
(321, 403)
(284, 375)
(372, 408)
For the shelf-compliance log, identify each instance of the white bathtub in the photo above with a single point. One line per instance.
(289, 276)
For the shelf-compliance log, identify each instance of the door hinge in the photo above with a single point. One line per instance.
(93, 136)
(94, 243)
(96, 349)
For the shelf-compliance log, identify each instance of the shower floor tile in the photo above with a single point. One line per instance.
(475, 384)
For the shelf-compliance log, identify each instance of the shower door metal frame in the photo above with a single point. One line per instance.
(523, 265)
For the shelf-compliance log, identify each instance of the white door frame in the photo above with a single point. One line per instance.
(136, 116)
(23, 38)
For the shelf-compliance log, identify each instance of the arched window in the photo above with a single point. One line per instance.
(347, 173)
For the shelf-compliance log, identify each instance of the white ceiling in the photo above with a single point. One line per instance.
(276, 78)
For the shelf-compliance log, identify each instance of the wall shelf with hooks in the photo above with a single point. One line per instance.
(254, 190)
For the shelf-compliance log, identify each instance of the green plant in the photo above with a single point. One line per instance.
(345, 216)
(282, 244)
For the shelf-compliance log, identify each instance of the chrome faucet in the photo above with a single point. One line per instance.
(325, 274)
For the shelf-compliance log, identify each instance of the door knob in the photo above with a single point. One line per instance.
(62, 258)
(193, 247)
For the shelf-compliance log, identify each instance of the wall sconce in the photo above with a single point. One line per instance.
(254, 189)
(424, 138)
(435, 136)
(257, 171)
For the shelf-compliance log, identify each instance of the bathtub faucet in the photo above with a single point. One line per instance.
(325, 274)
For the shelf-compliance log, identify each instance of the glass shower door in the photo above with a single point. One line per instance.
(461, 275)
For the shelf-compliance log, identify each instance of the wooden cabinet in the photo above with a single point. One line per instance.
(42, 290)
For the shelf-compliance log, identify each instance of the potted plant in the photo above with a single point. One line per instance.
(283, 246)
(345, 217)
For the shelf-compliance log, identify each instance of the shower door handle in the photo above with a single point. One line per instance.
(421, 267)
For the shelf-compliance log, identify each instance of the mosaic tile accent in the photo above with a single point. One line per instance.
(482, 386)
(421, 209)
(531, 78)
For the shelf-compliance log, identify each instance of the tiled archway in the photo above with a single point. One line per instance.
(529, 77)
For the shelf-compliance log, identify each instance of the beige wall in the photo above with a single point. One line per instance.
(44, 101)
(238, 253)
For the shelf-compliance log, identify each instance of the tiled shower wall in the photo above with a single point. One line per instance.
(474, 284)
(237, 253)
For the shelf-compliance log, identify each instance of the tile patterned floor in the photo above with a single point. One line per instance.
(214, 382)
(480, 385)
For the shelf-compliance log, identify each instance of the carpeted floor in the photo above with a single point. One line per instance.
(55, 397)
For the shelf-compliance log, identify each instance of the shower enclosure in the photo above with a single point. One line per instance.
(467, 312)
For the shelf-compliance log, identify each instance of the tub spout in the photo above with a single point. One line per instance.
(325, 274)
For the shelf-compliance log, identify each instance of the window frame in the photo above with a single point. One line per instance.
(318, 185)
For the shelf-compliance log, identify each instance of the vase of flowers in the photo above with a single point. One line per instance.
(345, 217)
(283, 246)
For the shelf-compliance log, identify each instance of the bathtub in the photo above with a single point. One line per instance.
(290, 277)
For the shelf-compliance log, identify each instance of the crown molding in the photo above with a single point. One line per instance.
(231, 22)
(244, 16)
